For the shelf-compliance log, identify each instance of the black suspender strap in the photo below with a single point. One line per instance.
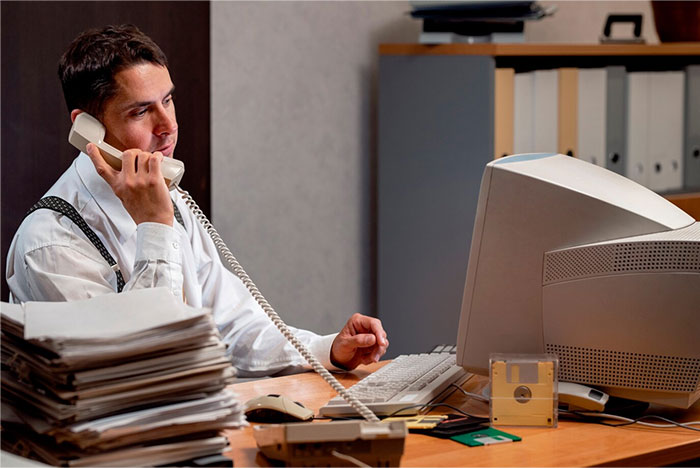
(178, 215)
(61, 206)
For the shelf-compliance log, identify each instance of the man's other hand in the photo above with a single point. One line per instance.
(361, 341)
(139, 185)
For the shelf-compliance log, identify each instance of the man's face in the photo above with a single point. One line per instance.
(142, 113)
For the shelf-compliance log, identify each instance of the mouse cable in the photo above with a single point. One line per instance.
(639, 420)
(238, 270)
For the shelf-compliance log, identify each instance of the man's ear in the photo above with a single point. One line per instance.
(74, 113)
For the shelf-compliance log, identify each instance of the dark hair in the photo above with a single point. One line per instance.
(88, 67)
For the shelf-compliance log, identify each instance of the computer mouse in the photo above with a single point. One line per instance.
(276, 409)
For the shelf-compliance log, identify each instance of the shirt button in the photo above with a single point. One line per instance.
(175, 245)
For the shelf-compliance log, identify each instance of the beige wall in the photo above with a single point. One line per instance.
(293, 147)
(294, 143)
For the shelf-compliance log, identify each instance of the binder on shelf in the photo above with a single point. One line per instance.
(545, 111)
(568, 111)
(691, 144)
(503, 111)
(523, 111)
(655, 129)
(616, 120)
(665, 135)
(591, 124)
(638, 116)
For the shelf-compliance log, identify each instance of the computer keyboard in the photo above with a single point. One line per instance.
(410, 379)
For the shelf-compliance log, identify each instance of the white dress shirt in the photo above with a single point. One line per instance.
(50, 259)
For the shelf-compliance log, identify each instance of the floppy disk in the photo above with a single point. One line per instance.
(487, 436)
(523, 390)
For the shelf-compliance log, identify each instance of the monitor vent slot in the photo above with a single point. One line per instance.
(628, 257)
(628, 370)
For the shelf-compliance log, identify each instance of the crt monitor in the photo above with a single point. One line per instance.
(572, 259)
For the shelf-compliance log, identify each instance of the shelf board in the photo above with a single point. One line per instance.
(544, 50)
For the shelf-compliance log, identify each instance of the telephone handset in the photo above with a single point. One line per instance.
(87, 129)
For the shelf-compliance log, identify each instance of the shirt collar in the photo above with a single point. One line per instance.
(105, 198)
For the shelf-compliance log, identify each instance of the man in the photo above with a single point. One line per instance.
(120, 76)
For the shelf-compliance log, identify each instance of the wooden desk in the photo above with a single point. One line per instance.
(688, 202)
(571, 444)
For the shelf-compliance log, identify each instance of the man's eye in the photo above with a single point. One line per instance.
(139, 113)
(168, 100)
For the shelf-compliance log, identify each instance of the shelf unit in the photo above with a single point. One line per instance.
(438, 109)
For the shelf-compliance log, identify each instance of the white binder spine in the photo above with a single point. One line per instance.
(546, 111)
(592, 102)
(523, 105)
(666, 131)
(638, 127)
(691, 160)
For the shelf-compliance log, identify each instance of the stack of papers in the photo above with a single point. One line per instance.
(135, 378)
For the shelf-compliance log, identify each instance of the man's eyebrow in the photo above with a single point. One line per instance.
(134, 105)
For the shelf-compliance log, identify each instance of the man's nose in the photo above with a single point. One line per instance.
(166, 122)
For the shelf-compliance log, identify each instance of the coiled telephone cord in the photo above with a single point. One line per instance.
(260, 299)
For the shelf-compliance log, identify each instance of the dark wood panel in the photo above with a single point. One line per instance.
(35, 121)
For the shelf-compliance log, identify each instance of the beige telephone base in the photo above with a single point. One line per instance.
(87, 129)
(332, 443)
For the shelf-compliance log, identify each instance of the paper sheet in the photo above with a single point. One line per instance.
(105, 317)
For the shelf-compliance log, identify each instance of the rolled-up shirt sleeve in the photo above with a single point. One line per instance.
(158, 261)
